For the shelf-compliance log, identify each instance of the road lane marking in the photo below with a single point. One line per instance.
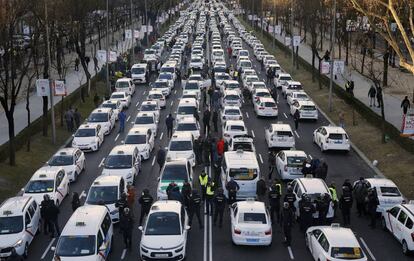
(247, 114)
(117, 136)
(48, 248)
(285, 115)
(261, 159)
(144, 92)
(297, 134)
(162, 133)
(210, 229)
(175, 91)
(310, 156)
(136, 105)
(253, 134)
(123, 254)
(367, 248)
(83, 194)
(171, 103)
(100, 164)
(129, 117)
(153, 161)
(290, 253)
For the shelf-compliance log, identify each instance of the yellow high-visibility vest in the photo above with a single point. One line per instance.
(209, 190)
(203, 180)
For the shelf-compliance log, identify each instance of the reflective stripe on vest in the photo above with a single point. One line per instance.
(203, 180)
(333, 194)
(209, 190)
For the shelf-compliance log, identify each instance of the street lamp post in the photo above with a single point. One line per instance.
(132, 37)
(332, 49)
(108, 85)
(291, 35)
(146, 21)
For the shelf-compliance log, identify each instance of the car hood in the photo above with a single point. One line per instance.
(79, 258)
(164, 242)
(9, 240)
(118, 172)
(83, 140)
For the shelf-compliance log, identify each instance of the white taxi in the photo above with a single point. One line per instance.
(260, 93)
(162, 86)
(192, 86)
(123, 97)
(250, 223)
(125, 85)
(281, 79)
(265, 107)
(186, 108)
(230, 113)
(181, 147)
(143, 138)
(290, 86)
(164, 234)
(51, 182)
(230, 85)
(233, 127)
(297, 96)
(333, 243)
(188, 125)
(139, 73)
(307, 109)
(114, 105)
(331, 138)
(151, 107)
(103, 117)
(19, 223)
(241, 142)
(387, 192)
(157, 96)
(147, 120)
(72, 160)
(179, 171)
(88, 137)
(231, 98)
(279, 135)
(289, 163)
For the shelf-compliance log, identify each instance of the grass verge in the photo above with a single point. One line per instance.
(395, 162)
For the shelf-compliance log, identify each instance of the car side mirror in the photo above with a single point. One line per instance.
(187, 227)
(140, 228)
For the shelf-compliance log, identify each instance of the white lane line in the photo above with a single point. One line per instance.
(175, 91)
(285, 115)
(367, 248)
(210, 229)
(136, 105)
(129, 117)
(144, 92)
(261, 159)
(253, 134)
(171, 103)
(117, 136)
(297, 135)
(162, 133)
(247, 114)
(83, 194)
(123, 254)
(290, 253)
(47, 249)
(100, 164)
(153, 161)
(310, 156)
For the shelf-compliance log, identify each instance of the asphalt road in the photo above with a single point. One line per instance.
(213, 243)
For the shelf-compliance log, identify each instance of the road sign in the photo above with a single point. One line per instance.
(296, 40)
(42, 87)
(59, 88)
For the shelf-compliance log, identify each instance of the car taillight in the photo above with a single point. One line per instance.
(237, 231)
(268, 232)
(286, 167)
(261, 108)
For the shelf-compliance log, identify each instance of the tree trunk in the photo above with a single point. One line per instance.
(385, 63)
(347, 48)
(313, 66)
(12, 147)
(28, 117)
(44, 116)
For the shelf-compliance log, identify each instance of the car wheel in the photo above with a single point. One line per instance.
(383, 224)
(26, 251)
(405, 248)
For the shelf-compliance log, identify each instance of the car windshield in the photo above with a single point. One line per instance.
(109, 105)
(308, 108)
(148, 107)
(191, 86)
(223, 77)
(61, 160)
(175, 172)
(295, 161)
(263, 94)
(285, 133)
(231, 97)
(98, 117)
(118, 162)
(232, 112)
(144, 120)
(122, 84)
(232, 86)
(40, 186)
(138, 70)
(347, 253)
(150, 51)
(182, 145)
(301, 96)
(76, 246)
(136, 139)
(390, 191)
(85, 133)
(243, 174)
(335, 136)
(246, 64)
(163, 223)
(195, 78)
(155, 96)
(187, 127)
(285, 78)
(160, 85)
(165, 76)
(186, 110)
(102, 194)
(252, 218)
(117, 96)
(11, 225)
(196, 60)
(219, 69)
(245, 146)
(167, 70)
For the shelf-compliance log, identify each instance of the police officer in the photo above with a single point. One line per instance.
(360, 191)
(232, 188)
(196, 148)
(345, 204)
(209, 196)
(45, 214)
(175, 195)
(372, 204)
(274, 202)
(122, 203)
(261, 190)
(194, 205)
(186, 192)
(290, 198)
(287, 222)
(322, 206)
(126, 224)
(219, 205)
(306, 210)
(334, 195)
(145, 201)
(203, 178)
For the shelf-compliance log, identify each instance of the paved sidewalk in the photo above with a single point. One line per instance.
(74, 79)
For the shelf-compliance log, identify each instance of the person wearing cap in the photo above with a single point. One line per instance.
(203, 179)
(145, 201)
(287, 223)
(219, 205)
(194, 207)
(126, 225)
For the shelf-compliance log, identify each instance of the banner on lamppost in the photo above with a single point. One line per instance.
(128, 34)
(288, 41)
(407, 128)
(278, 29)
(296, 40)
(101, 55)
(42, 87)
(270, 29)
(143, 28)
(59, 88)
(250, 17)
(338, 67)
(150, 29)
(112, 56)
(325, 67)
(136, 34)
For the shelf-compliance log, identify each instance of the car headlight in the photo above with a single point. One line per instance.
(192, 156)
(18, 243)
(144, 250)
(179, 249)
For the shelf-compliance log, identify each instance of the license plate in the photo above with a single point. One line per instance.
(161, 255)
(338, 142)
(252, 240)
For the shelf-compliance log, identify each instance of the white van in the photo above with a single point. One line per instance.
(125, 85)
(139, 73)
(88, 235)
(279, 135)
(243, 167)
(107, 190)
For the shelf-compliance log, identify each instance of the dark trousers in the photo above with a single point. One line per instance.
(127, 238)
(121, 126)
(54, 227)
(46, 226)
(169, 132)
(232, 197)
(69, 125)
(203, 192)
(215, 126)
(373, 219)
(275, 210)
(305, 223)
(191, 215)
(346, 216)
(287, 231)
(361, 208)
(209, 204)
(296, 124)
(206, 128)
(218, 212)
(144, 211)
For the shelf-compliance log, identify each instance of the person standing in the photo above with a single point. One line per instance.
(372, 204)
(169, 121)
(197, 150)
(122, 118)
(271, 159)
(203, 179)
(287, 223)
(215, 120)
(290, 198)
(75, 201)
(261, 190)
(206, 150)
(379, 97)
(77, 117)
(130, 196)
(306, 210)
(122, 203)
(53, 215)
(186, 193)
(44, 214)
(345, 204)
(145, 201)
(341, 117)
(194, 207)
(95, 63)
(334, 195)
(321, 171)
(371, 94)
(77, 64)
(196, 116)
(232, 188)
(322, 205)
(274, 202)
(360, 190)
(219, 206)
(209, 197)
(296, 118)
(126, 224)
(220, 148)
(405, 105)
(69, 119)
(206, 121)
(161, 157)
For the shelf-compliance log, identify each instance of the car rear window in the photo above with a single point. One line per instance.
(336, 136)
(252, 218)
(284, 133)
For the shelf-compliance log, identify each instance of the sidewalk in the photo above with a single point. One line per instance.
(393, 112)
(74, 79)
